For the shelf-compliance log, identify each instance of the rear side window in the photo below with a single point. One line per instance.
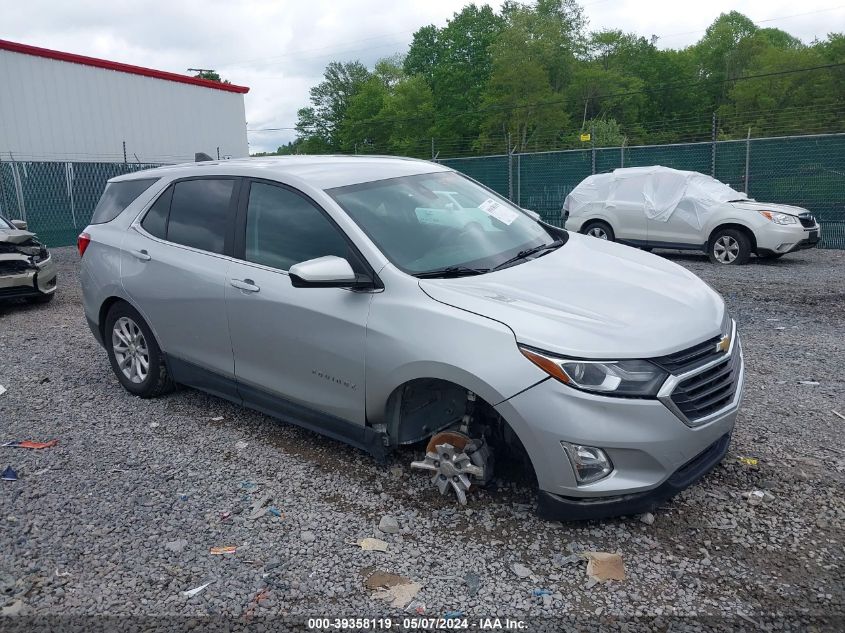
(155, 222)
(199, 213)
(118, 196)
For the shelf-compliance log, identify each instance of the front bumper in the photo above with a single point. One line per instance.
(655, 452)
(36, 281)
(556, 508)
(779, 240)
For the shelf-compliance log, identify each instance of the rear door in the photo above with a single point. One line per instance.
(173, 266)
(294, 345)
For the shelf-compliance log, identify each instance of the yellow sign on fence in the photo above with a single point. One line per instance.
(585, 137)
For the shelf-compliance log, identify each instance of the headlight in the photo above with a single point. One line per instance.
(779, 218)
(608, 377)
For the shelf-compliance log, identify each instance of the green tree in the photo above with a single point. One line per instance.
(534, 74)
(456, 62)
(330, 99)
(211, 75)
(718, 52)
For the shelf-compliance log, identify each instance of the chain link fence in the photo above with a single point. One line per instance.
(807, 171)
(56, 199)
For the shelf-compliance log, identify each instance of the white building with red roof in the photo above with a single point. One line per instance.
(57, 106)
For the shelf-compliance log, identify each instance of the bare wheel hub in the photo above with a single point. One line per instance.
(455, 461)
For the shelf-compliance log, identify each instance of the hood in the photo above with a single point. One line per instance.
(15, 236)
(767, 206)
(592, 299)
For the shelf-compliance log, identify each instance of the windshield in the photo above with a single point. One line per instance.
(431, 222)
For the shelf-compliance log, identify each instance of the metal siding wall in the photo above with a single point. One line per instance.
(54, 110)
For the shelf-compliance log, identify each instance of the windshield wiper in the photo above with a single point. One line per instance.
(528, 252)
(451, 271)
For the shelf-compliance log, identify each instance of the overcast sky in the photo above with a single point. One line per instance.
(279, 47)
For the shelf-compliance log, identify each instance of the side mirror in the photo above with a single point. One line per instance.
(326, 272)
(20, 225)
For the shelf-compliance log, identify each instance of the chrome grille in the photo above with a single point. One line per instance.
(690, 358)
(709, 391)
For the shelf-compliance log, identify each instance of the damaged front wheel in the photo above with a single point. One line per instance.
(456, 462)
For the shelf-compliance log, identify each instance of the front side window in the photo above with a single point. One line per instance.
(284, 228)
(199, 213)
(430, 222)
(116, 197)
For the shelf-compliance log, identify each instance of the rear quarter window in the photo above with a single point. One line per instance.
(118, 196)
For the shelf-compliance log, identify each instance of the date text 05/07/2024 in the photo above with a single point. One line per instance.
(417, 623)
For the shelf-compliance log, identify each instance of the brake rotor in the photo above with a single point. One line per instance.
(454, 461)
(458, 440)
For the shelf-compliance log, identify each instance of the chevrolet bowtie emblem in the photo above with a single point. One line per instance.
(724, 345)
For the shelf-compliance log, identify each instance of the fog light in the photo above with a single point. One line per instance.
(785, 246)
(589, 463)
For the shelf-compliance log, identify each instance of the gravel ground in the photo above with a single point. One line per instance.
(119, 517)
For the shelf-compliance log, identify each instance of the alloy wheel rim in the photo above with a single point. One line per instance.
(598, 232)
(726, 249)
(130, 350)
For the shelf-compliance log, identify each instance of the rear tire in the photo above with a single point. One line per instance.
(135, 356)
(729, 247)
(600, 230)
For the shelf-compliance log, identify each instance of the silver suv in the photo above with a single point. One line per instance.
(350, 296)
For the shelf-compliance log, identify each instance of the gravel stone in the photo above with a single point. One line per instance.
(176, 546)
(389, 525)
(130, 477)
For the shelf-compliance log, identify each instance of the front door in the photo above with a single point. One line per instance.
(301, 345)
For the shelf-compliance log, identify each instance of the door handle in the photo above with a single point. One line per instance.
(143, 255)
(247, 285)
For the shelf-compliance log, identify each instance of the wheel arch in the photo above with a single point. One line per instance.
(596, 219)
(107, 304)
(736, 226)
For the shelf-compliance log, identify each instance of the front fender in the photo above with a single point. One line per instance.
(423, 338)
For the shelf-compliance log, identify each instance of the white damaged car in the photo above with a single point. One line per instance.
(659, 207)
(26, 269)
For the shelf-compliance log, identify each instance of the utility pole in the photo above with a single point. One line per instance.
(593, 149)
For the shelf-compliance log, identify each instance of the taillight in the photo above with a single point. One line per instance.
(82, 243)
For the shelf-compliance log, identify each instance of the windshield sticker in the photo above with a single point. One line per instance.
(498, 211)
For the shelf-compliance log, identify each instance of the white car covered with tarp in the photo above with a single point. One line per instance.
(660, 207)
